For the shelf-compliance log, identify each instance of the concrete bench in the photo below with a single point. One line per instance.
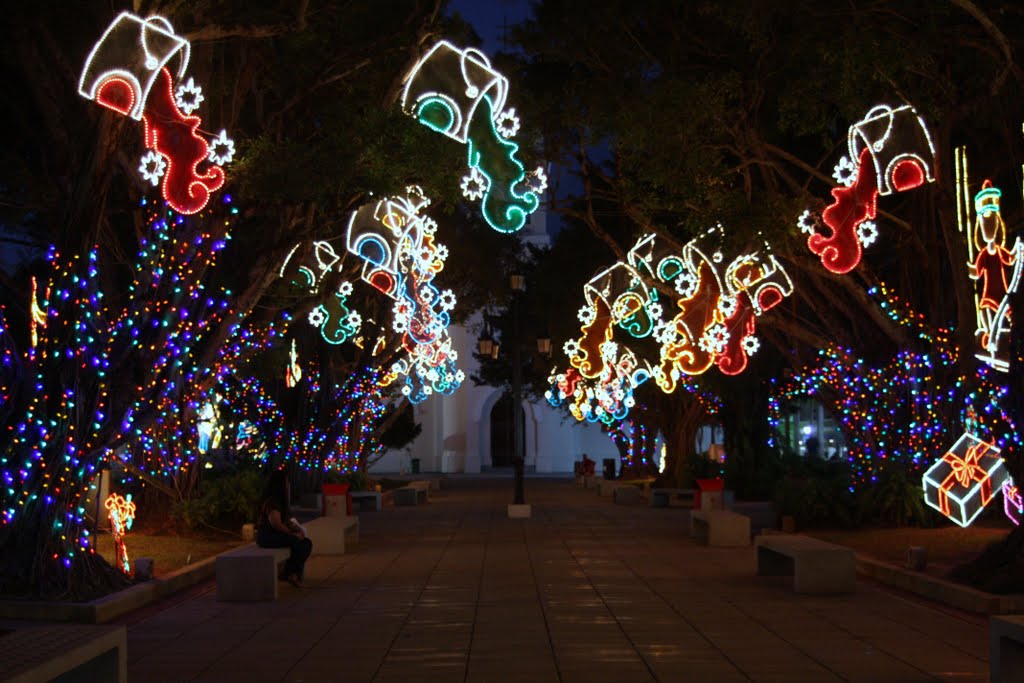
(1006, 648)
(816, 566)
(662, 498)
(426, 485)
(409, 495)
(65, 652)
(362, 497)
(331, 535)
(720, 527)
(249, 573)
(626, 495)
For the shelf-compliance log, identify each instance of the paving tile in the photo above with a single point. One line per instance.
(584, 591)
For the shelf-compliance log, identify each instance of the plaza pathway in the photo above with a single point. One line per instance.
(584, 591)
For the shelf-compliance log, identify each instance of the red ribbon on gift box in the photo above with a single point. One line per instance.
(964, 471)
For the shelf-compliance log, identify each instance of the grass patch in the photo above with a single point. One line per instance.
(168, 552)
(947, 546)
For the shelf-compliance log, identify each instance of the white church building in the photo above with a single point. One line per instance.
(470, 431)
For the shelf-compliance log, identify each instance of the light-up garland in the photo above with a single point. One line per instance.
(122, 513)
(127, 72)
(890, 150)
(456, 92)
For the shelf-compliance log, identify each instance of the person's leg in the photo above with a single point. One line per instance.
(300, 553)
(272, 538)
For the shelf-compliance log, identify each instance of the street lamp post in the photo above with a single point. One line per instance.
(488, 346)
(518, 285)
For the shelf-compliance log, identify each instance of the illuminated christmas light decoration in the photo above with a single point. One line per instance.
(37, 313)
(963, 481)
(174, 136)
(208, 425)
(890, 150)
(293, 371)
(997, 269)
(457, 93)
(123, 65)
(1013, 502)
(121, 511)
(127, 72)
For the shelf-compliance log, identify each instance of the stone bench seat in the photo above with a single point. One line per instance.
(626, 495)
(64, 652)
(410, 495)
(363, 497)
(817, 567)
(1006, 648)
(662, 498)
(332, 535)
(720, 527)
(249, 573)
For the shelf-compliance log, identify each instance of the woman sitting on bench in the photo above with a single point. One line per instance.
(276, 528)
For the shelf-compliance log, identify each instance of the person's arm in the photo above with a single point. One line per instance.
(274, 517)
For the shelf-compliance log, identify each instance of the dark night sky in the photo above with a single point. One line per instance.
(488, 17)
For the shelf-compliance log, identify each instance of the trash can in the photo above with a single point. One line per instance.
(335, 499)
(609, 468)
(709, 494)
(414, 464)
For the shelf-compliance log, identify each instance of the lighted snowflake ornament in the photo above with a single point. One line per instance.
(665, 332)
(586, 315)
(188, 96)
(354, 320)
(507, 124)
(447, 300)
(474, 185)
(317, 316)
(609, 350)
(715, 339)
(727, 305)
(222, 149)
(845, 172)
(655, 310)
(686, 284)
(571, 348)
(750, 344)
(345, 288)
(537, 180)
(867, 233)
(152, 167)
(808, 222)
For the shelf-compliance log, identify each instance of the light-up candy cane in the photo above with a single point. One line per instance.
(458, 93)
(890, 150)
(128, 71)
(122, 513)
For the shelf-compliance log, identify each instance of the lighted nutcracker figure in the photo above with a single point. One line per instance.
(998, 269)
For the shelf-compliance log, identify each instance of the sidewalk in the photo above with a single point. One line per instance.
(584, 591)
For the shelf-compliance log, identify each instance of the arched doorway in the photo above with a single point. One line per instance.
(502, 443)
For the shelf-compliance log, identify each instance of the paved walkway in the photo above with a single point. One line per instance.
(584, 591)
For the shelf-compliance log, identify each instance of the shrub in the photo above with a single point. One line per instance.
(222, 500)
